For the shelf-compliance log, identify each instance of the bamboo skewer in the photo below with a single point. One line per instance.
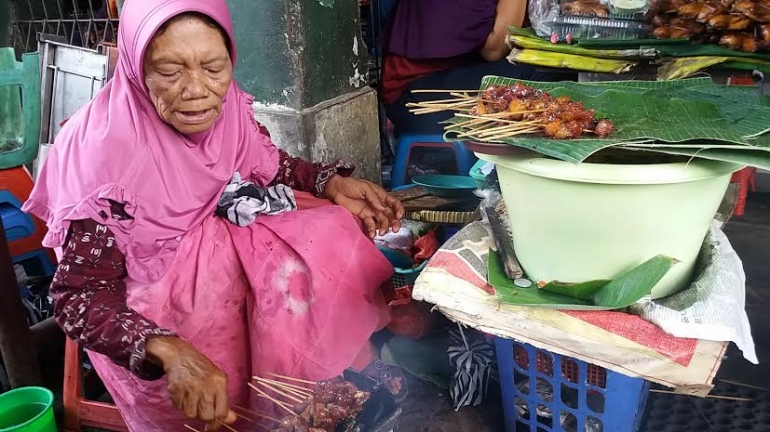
(288, 396)
(454, 99)
(255, 413)
(445, 91)
(293, 379)
(276, 401)
(304, 390)
(730, 398)
(230, 428)
(444, 106)
(254, 422)
(191, 428)
(511, 134)
(736, 383)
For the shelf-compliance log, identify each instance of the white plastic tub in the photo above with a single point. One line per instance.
(575, 223)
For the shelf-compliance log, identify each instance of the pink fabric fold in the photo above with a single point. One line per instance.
(296, 294)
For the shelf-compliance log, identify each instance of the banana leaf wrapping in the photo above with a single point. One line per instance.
(690, 117)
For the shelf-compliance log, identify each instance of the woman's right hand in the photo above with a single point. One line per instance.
(197, 386)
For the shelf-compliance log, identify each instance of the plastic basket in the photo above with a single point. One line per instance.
(476, 174)
(405, 277)
(584, 397)
(19, 110)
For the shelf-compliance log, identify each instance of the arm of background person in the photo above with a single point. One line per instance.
(509, 13)
(90, 296)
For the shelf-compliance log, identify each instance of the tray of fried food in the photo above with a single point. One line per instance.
(741, 25)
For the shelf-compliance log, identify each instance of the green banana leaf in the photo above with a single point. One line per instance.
(582, 291)
(532, 41)
(625, 290)
(619, 293)
(691, 111)
(686, 66)
(741, 65)
(758, 159)
(631, 43)
(693, 50)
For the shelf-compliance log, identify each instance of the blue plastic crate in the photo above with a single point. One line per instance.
(584, 397)
(17, 224)
(36, 263)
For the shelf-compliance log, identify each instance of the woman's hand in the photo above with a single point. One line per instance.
(378, 210)
(196, 385)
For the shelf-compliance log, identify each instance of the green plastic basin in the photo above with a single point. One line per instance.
(27, 409)
(446, 186)
(576, 223)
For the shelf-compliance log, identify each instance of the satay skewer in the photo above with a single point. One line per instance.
(445, 91)
(294, 387)
(255, 413)
(511, 134)
(496, 130)
(241, 416)
(293, 379)
(293, 391)
(439, 101)
(191, 428)
(443, 105)
(274, 400)
(287, 396)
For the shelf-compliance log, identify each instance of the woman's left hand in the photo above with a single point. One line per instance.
(378, 210)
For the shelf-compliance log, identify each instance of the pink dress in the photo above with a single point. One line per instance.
(295, 294)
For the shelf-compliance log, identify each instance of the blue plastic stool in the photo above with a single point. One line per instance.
(464, 158)
(580, 392)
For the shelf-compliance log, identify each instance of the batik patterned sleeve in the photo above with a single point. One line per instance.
(90, 300)
(305, 176)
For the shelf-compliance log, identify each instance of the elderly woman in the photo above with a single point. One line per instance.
(179, 307)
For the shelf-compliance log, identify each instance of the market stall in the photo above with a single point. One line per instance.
(676, 38)
(605, 244)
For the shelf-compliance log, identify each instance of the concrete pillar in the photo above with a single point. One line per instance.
(305, 63)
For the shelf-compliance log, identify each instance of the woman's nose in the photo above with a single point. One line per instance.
(195, 88)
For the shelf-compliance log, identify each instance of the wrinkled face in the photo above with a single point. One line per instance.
(187, 70)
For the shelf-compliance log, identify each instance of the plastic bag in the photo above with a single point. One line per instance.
(588, 19)
(542, 13)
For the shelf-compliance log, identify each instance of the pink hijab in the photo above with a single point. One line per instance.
(117, 148)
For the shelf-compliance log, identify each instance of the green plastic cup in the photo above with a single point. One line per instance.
(27, 409)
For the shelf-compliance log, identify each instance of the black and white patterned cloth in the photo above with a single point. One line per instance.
(472, 363)
(243, 201)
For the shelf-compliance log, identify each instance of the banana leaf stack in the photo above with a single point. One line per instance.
(679, 58)
(690, 117)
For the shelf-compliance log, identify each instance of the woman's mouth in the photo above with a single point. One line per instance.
(194, 117)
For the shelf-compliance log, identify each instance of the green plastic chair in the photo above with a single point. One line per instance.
(19, 111)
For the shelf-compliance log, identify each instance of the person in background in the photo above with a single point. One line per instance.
(439, 44)
(181, 280)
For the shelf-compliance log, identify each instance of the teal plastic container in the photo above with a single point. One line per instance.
(27, 409)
